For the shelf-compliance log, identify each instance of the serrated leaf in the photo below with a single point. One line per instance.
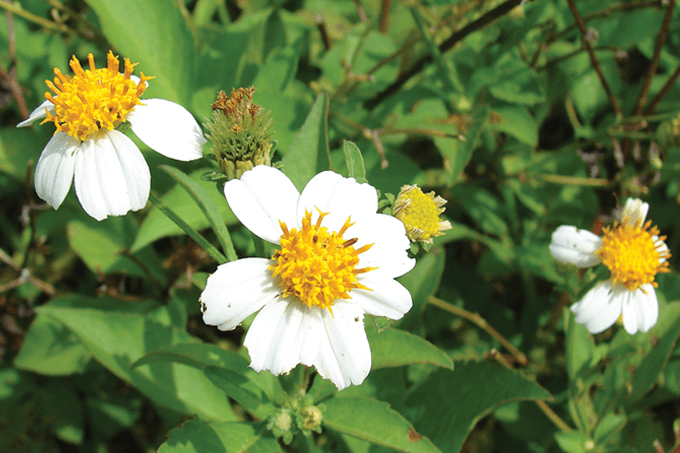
(393, 347)
(447, 405)
(117, 338)
(375, 422)
(197, 436)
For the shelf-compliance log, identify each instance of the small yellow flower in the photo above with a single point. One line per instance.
(420, 213)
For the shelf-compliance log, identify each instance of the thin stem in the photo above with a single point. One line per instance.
(25, 275)
(482, 324)
(647, 81)
(593, 59)
(454, 39)
(384, 16)
(664, 91)
(15, 8)
(575, 180)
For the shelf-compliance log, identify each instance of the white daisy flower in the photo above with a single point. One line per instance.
(634, 253)
(338, 260)
(111, 175)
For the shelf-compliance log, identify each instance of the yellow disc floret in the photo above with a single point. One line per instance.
(420, 213)
(316, 265)
(93, 99)
(634, 254)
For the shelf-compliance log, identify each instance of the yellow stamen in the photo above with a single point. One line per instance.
(93, 99)
(316, 265)
(634, 254)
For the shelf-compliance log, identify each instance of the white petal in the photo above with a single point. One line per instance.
(284, 334)
(640, 309)
(262, 197)
(38, 114)
(346, 357)
(100, 180)
(601, 306)
(236, 290)
(574, 246)
(55, 168)
(388, 297)
(135, 169)
(331, 192)
(635, 212)
(168, 129)
(390, 244)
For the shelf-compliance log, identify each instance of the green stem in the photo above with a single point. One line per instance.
(188, 229)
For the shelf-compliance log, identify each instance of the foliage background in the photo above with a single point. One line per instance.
(498, 106)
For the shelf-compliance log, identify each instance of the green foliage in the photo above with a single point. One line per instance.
(498, 107)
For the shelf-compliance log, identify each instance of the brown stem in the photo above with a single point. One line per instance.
(647, 81)
(384, 16)
(664, 91)
(443, 47)
(596, 64)
(482, 324)
(325, 37)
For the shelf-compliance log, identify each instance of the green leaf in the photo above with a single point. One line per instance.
(655, 360)
(580, 344)
(374, 421)
(51, 348)
(457, 153)
(447, 405)
(154, 34)
(355, 161)
(517, 122)
(17, 147)
(188, 229)
(309, 153)
(238, 387)
(572, 442)
(156, 225)
(203, 355)
(393, 347)
(112, 238)
(117, 338)
(207, 206)
(422, 282)
(197, 436)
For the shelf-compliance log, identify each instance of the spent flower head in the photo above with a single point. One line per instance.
(338, 259)
(634, 253)
(111, 176)
(240, 132)
(420, 213)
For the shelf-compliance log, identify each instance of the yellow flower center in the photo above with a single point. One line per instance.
(93, 99)
(316, 265)
(633, 255)
(421, 213)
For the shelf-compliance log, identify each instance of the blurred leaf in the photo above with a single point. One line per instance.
(447, 405)
(309, 153)
(517, 122)
(51, 348)
(17, 147)
(393, 347)
(457, 153)
(197, 436)
(374, 421)
(241, 389)
(422, 282)
(572, 442)
(117, 338)
(154, 34)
